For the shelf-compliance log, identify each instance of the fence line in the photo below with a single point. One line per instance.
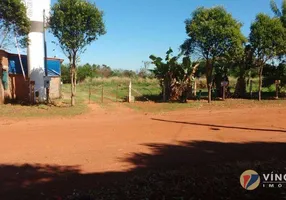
(140, 94)
(117, 92)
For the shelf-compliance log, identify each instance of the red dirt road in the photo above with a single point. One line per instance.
(100, 140)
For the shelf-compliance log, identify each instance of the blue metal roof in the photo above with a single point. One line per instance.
(54, 66)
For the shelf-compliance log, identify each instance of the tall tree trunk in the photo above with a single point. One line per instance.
(209, 71)
(73, 78)
(217, 81)
(260, 82)
(240, 88)
(209, 93)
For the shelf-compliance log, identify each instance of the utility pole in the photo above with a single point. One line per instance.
(45, 58)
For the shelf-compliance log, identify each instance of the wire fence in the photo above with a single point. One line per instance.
(122, 92)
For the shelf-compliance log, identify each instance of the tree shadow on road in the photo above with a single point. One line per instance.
(187, 170)
(221, 126)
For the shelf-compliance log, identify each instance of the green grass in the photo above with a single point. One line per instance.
(116, 89)
(36, 111)
(59, 108)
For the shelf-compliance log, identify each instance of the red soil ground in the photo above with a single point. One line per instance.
(101, 140)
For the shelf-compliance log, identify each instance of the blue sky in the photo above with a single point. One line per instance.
(138, 28)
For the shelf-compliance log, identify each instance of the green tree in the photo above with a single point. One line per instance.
(76, 24)
(117, 72)
(221, 68)
(65, 73)
(13, 22)
(213, 34)
(85, 71)
(271, 73)
(242, 68)
(268, 41)
(129, 73)
(104, 71)
(175, 78)
(280, 13)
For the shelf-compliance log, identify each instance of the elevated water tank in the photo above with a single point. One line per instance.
(36, 10)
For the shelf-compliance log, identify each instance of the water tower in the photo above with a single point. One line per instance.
(37, 11)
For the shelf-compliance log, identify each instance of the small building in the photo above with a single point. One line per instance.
(15, 80)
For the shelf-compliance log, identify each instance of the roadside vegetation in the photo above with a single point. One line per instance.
(148, 99)
(215, 61)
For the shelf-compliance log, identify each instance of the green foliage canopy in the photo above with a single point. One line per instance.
(267, 38)
(171, 67)
(280, 13)
(272, 73)
(268, 41)
(214, 35)
(174, 77)
(76, 23)
(13, 21)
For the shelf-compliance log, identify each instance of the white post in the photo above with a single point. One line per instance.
(195, 88)
(129, 95)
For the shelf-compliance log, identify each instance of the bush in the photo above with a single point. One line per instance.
(272, 73)
(85, 71)
(65, 73)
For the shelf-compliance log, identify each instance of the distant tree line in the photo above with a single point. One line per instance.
(87, 71)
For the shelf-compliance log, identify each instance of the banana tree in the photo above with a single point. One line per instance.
(175, 77)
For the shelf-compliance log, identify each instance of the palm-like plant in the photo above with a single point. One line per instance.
(281, 13)
(175, 77)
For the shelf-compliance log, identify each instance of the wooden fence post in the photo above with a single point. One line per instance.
(223, 92)
(130, 93)
(277, 82)
(48, 95)
(116, 92)
(102, 93)
(89, 94)
(195, 88)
